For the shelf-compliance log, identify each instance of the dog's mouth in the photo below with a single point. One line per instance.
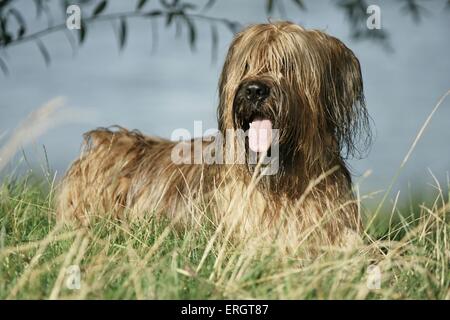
(253, 114)
(260, 134)
(259, 128)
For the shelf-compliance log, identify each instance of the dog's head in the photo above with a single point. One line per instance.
(304, 83)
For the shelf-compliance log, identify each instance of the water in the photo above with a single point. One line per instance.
(172, 87)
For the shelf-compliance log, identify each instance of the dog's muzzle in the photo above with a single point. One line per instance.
(255, 91)
(250, 114)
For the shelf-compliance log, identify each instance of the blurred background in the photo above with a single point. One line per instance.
(154, 66)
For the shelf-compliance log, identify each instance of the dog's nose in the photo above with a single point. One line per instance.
(256, 91)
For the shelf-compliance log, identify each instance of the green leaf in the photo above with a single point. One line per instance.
(21, 32)
(169, 5)
(82, 33)
(5, 39)
(4, 67)
(211, 3)
(100, 8)
(300, 4)
(5, 36)
(43, 51)
(140, 4)
(20, 21)
(269, 6)
(192, 32)
(39, 4)
(169, 18)
(232, 26)
(153, 13)
(122, 33)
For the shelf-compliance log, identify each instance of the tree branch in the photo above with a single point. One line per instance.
(232, 25)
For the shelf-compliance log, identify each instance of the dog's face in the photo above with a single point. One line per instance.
(306, 84)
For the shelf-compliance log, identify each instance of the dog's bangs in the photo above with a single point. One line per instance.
(272, 54)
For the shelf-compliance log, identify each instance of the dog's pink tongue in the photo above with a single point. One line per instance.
(260, 135)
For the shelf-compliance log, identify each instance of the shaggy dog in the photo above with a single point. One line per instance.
(297, 95)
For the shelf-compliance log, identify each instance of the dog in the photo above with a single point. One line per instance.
(303, 89)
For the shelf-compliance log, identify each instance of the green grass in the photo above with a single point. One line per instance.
(152, 260)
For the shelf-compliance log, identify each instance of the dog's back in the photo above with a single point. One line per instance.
(305, 87)
(124, 174)
(113, 171)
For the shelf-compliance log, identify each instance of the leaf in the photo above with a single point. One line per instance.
(210, 3)
(192, 32)
(3, 4)
(122, 33)
(82, 33)
(4, 66)
(20, 20)
(169, 18)
(140, 4)
(43, 51)
(100, 8)
(5, 36)
(39, 7)
(168, 5)
(300, 4)
(232, 26)
(21, 32)
(5, 39)
(415, 10)
(269, 6)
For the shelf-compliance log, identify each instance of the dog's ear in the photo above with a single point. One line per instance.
(344, 102)
(222, 107)
(224, 116)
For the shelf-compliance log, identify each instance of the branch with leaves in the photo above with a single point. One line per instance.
(176, 12)
(14, 31)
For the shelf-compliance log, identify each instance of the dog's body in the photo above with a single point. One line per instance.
(307, 85)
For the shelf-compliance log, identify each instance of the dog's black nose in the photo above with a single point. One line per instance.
(256, 91)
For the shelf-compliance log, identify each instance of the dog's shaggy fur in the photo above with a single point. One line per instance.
(316, 101)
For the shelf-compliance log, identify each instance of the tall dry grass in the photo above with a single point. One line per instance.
(153, 260)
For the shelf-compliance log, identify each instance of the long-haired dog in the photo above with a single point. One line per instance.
(302, 86)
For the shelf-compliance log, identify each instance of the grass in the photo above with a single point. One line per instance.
(408, 243)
